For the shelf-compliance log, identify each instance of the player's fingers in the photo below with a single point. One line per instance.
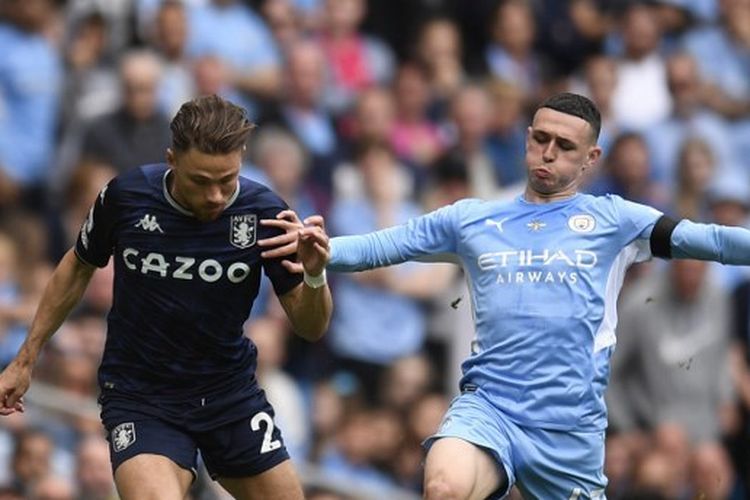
(6, 411)
(281, 239)
(292, 267)
(288, 214)
(315, 220)
(13, 398)
(281, 251)
(315, 234)
(280, 223)
(322, 250)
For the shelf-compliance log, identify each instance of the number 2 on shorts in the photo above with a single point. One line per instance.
(269, 444)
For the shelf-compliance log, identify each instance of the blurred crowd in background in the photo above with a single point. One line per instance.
(371, 113)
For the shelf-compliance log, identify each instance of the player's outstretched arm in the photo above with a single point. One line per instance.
(63, 292)
(728, 245)
(309, 305)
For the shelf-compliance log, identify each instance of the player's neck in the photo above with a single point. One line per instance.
(532, 196)
(176, 196)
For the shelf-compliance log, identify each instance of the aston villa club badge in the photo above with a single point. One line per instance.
(242, 230)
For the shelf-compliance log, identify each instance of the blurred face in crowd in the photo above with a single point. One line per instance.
(687, 278)
(343, 16)
(93, 471)
(470, 112)
(684, 83)
(629, 162)
(282, 18)
(171, 29)
(375, 114)
(305, 74)
(204, 183)
(210, 75)
(601, 78)
(696, 166)
(439, 42)
(559, 148)
(640, 31)
(140, 75)
(411, 92)
(507, 106)
(282, 159)
(514, 27)
(32, 457)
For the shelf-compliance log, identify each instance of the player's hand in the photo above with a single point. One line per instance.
(284, 244)
(312, 250)
(14, 382)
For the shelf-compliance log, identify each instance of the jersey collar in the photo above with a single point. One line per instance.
(183, 210)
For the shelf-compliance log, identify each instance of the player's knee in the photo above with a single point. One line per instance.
(439, 487)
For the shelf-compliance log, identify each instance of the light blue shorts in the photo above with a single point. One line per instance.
(543, 464)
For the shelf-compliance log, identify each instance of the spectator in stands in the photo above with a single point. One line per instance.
(30, 86)
(169, 37)
(136, 133)
(641, 96)
(355, 61)
(237, 35)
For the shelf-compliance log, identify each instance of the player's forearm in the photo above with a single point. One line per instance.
(62, 293)
(311, 313)
(368, 251)
(728, 245)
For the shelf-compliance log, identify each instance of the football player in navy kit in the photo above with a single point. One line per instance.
(177, 375)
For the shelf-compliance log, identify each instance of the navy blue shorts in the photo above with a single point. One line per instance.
(234, 447)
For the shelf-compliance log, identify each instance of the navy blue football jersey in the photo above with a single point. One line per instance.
(183, 288)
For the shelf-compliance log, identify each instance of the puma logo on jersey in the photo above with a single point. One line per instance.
(497, 223)
(149, 223)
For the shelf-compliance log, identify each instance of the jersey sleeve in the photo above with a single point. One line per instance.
(728, 245)
(429, 235)
(96, 239)
(636, 221)
(281, 279)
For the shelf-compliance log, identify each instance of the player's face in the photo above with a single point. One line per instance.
(204, 183)
(559, 147)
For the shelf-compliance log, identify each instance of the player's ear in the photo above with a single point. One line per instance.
(170, 158)
(592, 157)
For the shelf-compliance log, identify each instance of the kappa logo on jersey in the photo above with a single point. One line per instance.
(582, 223)
(123, 436)
(243, 230)
(497, 223)
(149, 223)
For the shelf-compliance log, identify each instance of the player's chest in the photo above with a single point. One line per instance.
(157, 244)
(555, 242)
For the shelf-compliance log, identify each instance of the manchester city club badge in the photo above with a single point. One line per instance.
(242, 230)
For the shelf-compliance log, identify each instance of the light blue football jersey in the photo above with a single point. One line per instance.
(544, 281)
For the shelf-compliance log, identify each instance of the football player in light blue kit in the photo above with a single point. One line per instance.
(544, 272)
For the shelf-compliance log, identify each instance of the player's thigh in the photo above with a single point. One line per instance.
(151, 458)
(152, 477)
(560, 464)
(244, 448)
(277, 483)
(475, 475)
